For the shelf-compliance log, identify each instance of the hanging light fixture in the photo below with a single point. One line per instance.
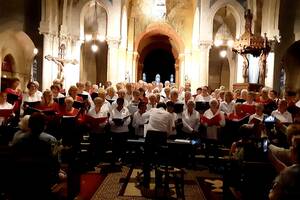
(223, 38)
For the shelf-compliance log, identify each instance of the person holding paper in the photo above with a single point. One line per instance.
(4, 105)
(47, 102)
(119, 120)
(204, 96)
(14, 94)
(102, 94)
(213, 119)
(139, 120)
(133, 104)
(69, 109)
(281, 113)
(55, 89)
(227, 106)
(250, 100)
(258, 116)
(111, 95)
(30, 96)
(97, 119)
(72, 92)
(190, 119)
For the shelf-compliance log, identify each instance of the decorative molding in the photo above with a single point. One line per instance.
(113, 42)
(205, 44)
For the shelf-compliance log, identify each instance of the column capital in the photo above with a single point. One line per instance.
(205, 44)
(113, 42)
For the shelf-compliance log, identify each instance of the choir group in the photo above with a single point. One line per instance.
(126, 110)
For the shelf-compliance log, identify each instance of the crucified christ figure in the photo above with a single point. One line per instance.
(60, 62)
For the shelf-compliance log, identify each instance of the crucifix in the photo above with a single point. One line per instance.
(60, 61)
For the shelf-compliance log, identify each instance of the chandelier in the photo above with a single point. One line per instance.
(223, 38)
(94, 36)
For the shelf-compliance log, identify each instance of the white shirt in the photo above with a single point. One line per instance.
(90, 100)
(202, 98)
(133, 107)
(190, 122)
(227, 107)
(298, 104)
(102, 113)
(119, 115)
(149, 106)
(259, 117)
(128, 97)
(26, 98)
(59, 95)
(212, 131)
(6, 106)
(285, 117)
(33, 98)
(138, 123)
(160, 120)
(174, 118)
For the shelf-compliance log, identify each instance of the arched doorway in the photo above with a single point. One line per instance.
(95, 48)
(157, 58)
(291, 65)
(219, 72)
(7, 66)
(158, 49)
(224, 30)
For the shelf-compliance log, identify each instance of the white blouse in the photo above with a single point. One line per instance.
(190, 122)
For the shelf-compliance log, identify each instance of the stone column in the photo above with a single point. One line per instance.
(112, 64)
(204, 62)
(49, 68)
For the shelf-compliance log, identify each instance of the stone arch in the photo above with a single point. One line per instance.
(104, 4)
(20, 47)
(291, 64)
(237, 10)
(144, 40)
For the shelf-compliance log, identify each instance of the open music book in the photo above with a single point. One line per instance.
(6, 113)
(215, 120)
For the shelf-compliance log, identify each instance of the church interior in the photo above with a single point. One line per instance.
(149, 99)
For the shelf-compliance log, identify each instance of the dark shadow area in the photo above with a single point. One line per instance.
(159, 61)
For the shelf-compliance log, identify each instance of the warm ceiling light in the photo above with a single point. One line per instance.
(101, 38)
(230, 43)
(218, 43)
(88, 37)
(223, 53)
(94, 48)
(35, 51)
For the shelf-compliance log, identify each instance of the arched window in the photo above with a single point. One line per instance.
(7, 64)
